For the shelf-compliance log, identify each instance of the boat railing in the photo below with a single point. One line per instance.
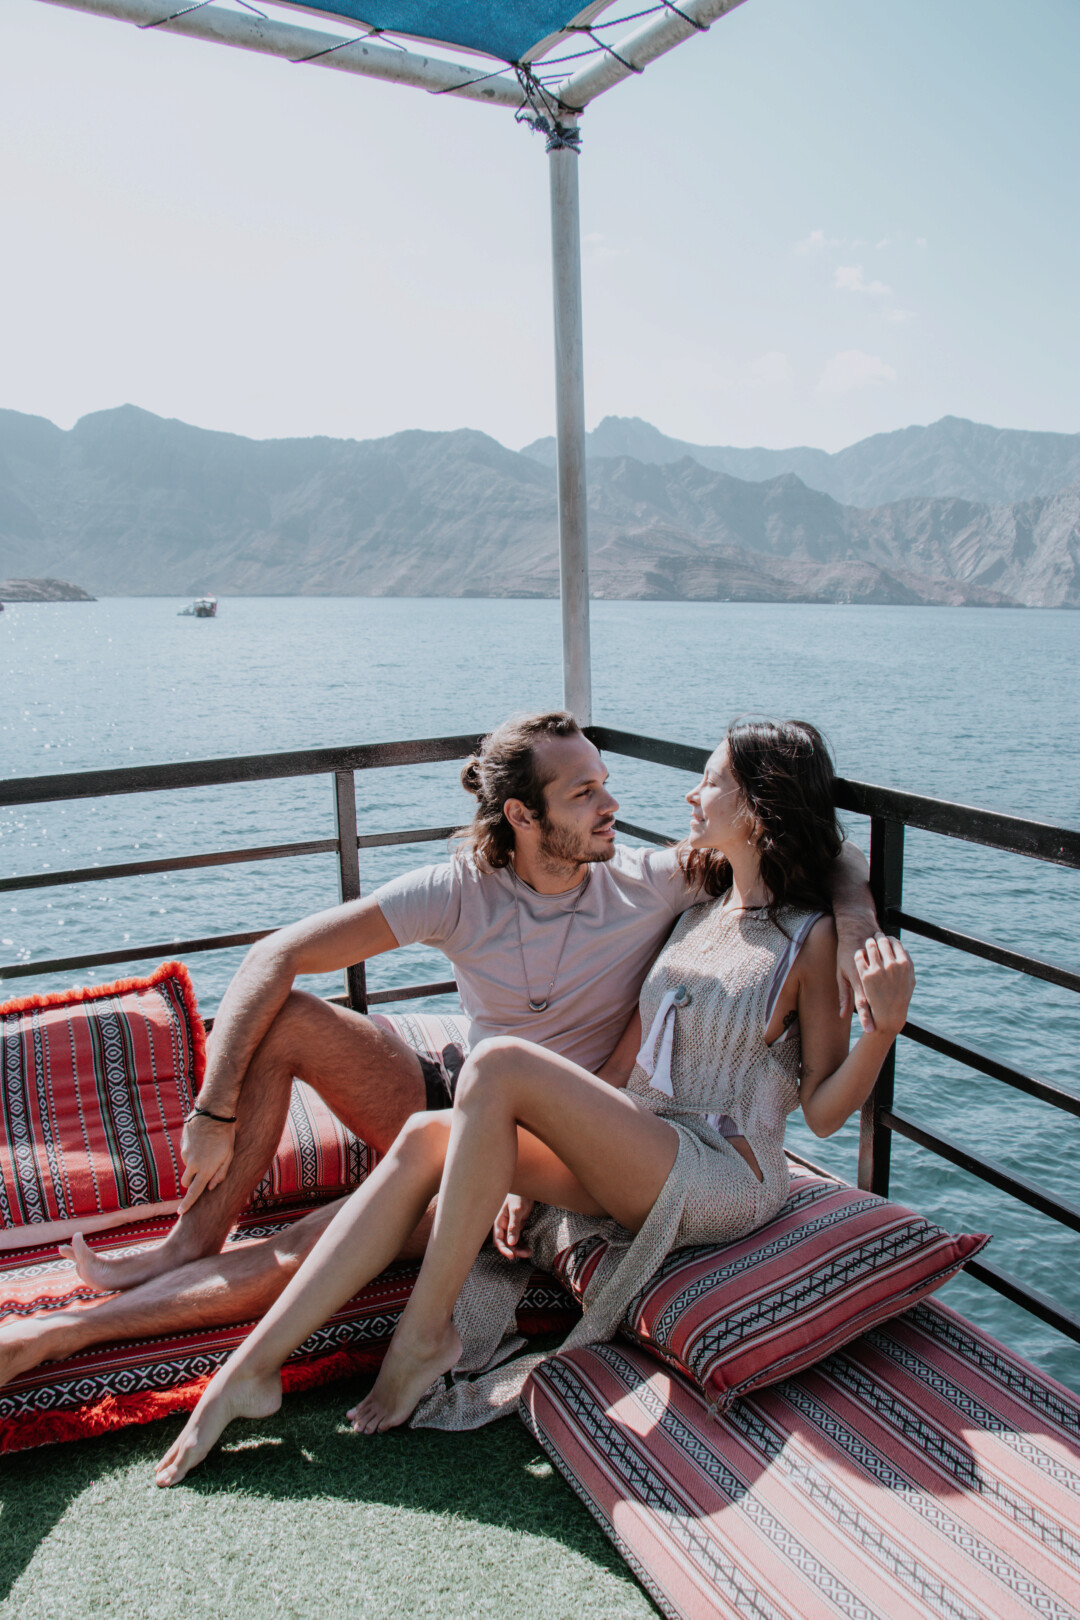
(889, 811)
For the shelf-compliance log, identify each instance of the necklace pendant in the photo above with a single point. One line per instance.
(538, 1006)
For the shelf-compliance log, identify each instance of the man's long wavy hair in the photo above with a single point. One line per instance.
(786, 784)
(507, 768)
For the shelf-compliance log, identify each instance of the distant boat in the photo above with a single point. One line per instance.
(203, 607)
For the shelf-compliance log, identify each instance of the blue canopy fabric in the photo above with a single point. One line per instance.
(507, 29)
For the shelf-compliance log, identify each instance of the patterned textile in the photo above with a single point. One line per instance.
(318, 1157)
(114, 1385)
(834, 1262)
(924, 1473)
(94, 1087)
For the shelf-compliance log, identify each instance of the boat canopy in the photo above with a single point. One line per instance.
(511, 30)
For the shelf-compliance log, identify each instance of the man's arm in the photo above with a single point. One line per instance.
(319, 944)
(856, 922)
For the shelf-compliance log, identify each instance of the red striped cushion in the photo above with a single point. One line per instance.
(94, 1087)
(834, 1262)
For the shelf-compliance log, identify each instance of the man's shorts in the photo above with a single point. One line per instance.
(440, 1075)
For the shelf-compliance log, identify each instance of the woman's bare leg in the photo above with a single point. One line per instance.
(365, 1235)
(592, 1149)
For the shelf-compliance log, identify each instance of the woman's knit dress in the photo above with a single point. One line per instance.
(726, 961)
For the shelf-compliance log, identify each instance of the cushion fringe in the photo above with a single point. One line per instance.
(94, 992)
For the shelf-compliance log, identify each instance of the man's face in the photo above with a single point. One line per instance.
(579, 820)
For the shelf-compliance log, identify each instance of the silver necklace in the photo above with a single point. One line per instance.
(539, 1004)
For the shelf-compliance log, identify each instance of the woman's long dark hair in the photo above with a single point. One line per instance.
(786, 784)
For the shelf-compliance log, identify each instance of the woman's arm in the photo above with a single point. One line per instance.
(836, 1081)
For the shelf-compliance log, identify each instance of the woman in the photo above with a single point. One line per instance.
(682, 1144)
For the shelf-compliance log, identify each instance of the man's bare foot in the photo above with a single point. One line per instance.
(230, 1394)
(113, 1272)
(25, 1342)
(405, 1374)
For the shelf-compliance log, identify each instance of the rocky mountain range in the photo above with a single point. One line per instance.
(127, 503)
(991, 466)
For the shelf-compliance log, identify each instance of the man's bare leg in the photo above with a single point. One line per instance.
(217, 1291)
(368, 1077)
(365, 1234)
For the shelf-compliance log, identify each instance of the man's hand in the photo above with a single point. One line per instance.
(206, 1148)
(856, 922)
(507, 1229)
(850, 940)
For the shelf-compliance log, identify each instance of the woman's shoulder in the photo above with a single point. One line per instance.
(818, 951)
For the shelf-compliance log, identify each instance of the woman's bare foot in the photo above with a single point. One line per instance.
(408, 1370)
(113, 1272)
(25, 1342)
(231, 1393)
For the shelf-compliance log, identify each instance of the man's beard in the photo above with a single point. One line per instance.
(565, 846)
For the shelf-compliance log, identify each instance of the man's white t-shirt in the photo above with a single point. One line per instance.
(626, 908)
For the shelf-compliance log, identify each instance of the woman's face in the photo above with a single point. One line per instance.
(718, 818)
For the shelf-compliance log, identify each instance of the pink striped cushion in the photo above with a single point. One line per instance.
(923, 1473)
(834, 1262)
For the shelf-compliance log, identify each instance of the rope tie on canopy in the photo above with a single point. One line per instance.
(602, 45)
(702, 28)
(452, 89)
(172, 16)
(542, 111)
(340, 45)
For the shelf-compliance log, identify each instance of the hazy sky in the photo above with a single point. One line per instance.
(823, 219)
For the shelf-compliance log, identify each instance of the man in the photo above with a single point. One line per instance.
(551, 928)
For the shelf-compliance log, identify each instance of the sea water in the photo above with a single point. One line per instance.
(972, 705)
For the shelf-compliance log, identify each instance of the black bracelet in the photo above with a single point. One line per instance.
(222, 1119)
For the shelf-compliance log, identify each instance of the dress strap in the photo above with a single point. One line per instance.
(786, 961)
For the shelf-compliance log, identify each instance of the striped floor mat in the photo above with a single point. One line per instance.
(922, 1471)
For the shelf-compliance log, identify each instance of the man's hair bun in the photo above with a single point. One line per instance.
(470, 775)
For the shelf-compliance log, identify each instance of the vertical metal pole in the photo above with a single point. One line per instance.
(349, 874)
(570, 432)
(886, 885)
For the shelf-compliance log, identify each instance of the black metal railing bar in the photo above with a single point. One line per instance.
(381, 998)
(135, 953)
(989, 950)
(171, 863)
(1004, 1180)
(1030, 1299)
(646, 834)
(219, 857)
(238, 769)
(935, 1041)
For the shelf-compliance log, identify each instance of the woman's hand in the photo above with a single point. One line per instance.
(506, 1232)
(888, 981)
(206, 1148)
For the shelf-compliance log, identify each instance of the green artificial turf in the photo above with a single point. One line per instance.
(296, 1516)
